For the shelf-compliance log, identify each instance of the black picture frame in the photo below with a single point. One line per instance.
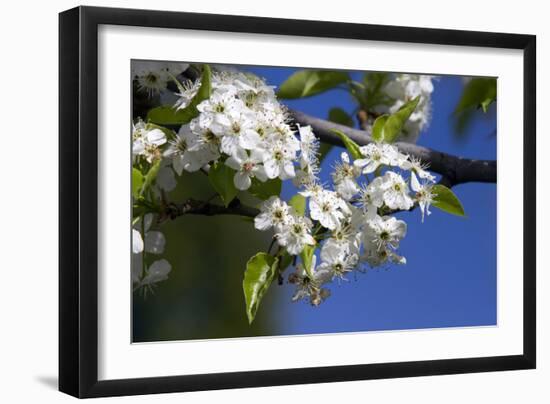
(78, 201)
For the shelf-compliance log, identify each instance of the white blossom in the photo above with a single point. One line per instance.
(278, 161)
(395, 191)
(146, 141)
(344, 178)
(137, 242)
(416, 166)
(377, 155)
(424, 195)
(157, 271)
(337, 261)
(274, 213)
(183, 158)
(385, 231)
(296, 234)
(246, 167)
(188, 92)
(310, 286)
(371, 197)
(328, 208)
(309, 147)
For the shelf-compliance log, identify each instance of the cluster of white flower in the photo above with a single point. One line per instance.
(402, 88)
(241, 124)
(146, 141)
(352, 223)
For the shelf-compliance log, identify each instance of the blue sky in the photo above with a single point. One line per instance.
(450, 276)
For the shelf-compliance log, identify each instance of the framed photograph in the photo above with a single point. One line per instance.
(253, 202)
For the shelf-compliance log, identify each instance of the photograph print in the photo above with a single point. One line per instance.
(280, 201)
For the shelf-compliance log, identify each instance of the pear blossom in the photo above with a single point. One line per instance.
(416, 166)
(386, 231)
(278, 161)
(328, 208)
(274, 213)
(344, 178)
(371, 197)
(310, 286)
(345, 238)
(188, 92)
(337, 261)
(137, 242)
(182, 157)
(377, 155)
(220, 103)
(378, 256)
(296, 234)
(395, 191)
(246, 167)
(146, 141)
(204, 140)
(158, 271)
(424, 195)
(236, 131)
(309, 146)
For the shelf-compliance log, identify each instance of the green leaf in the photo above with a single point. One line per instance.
(446, 200)
(221, 179)
(137, 182)
(307, 257)
(378, 128)
(394, 123)
(267, 189)
(338, 115)
(167, 115)
(260, 271)
(150, 177)
(479, 92)
(305, 83)
(352, 147)
(373, 93)
(298, 202)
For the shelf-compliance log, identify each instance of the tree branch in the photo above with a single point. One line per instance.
(195, 207)
(453, 169)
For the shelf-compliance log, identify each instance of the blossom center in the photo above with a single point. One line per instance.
(236, 127)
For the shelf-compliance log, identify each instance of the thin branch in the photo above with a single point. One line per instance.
(195, 207)
(455, 170)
